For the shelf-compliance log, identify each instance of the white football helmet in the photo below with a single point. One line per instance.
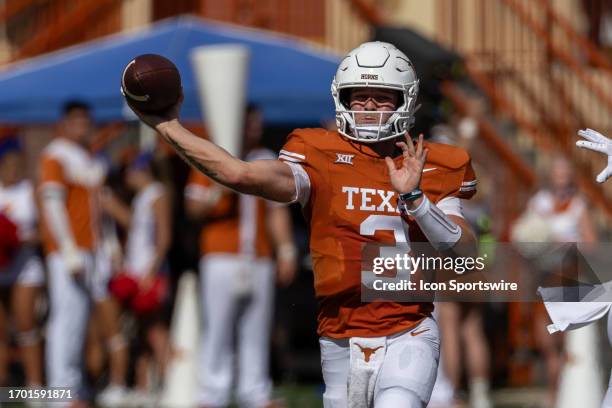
(380, 65)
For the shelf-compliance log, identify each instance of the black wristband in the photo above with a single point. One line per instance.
(411, 196)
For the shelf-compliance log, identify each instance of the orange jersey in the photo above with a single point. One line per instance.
(62, 164)
(352, 203)
(236, 224)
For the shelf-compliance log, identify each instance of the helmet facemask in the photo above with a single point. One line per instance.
(396, 124)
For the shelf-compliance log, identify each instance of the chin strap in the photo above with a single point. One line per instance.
(373, 132)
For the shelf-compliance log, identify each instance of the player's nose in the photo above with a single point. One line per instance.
(370, 105)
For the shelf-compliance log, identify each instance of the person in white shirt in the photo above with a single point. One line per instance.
(239, 237)
(23, 275)
(142, 286)
(69, 179)
(566, 215)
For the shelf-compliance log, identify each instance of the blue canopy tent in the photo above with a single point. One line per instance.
(289, 80)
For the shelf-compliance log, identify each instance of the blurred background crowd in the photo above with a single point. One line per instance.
(509, 80)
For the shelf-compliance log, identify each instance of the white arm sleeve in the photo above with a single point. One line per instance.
(54, 207)
(302, 183)
(441, 232)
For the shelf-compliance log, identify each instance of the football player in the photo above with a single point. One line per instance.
(237, 241)
(381, 354)
(68, 181)
(599, 143)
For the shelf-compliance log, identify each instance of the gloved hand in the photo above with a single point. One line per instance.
(599, 143)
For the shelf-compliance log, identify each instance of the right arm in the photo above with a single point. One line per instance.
(53, 200)
(53, 192)
(270, 179)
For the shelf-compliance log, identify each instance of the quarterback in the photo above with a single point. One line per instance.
(367, 182)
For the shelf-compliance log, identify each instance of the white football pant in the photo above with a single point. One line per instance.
(237, 301)
(67, 327)
(406, 377)
(607, 402)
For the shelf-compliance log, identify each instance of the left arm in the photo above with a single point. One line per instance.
(161, 211)
(116, 208)
(468, 238)
(449, 234)
(588, 232)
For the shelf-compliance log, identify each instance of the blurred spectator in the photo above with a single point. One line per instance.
(599, 14)
(142, 285)
(461, 324)
(239, 237)
(105, 339)
(464, 343)
(69, 178)
(21, 270)
(555, 214)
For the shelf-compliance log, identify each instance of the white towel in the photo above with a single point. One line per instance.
(366, 357)
(573, 315)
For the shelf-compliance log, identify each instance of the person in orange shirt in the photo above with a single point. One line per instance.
(68, 181)
(240, 235)
(382, 354)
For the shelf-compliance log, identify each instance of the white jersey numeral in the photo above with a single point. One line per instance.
(376, 222)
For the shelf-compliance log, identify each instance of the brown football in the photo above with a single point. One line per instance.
(151, 83)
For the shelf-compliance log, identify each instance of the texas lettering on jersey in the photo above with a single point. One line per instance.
(349, 205)
(363, 199)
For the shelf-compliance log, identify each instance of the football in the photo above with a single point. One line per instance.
(151, 83)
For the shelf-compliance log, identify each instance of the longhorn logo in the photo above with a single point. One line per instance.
(367, 351)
